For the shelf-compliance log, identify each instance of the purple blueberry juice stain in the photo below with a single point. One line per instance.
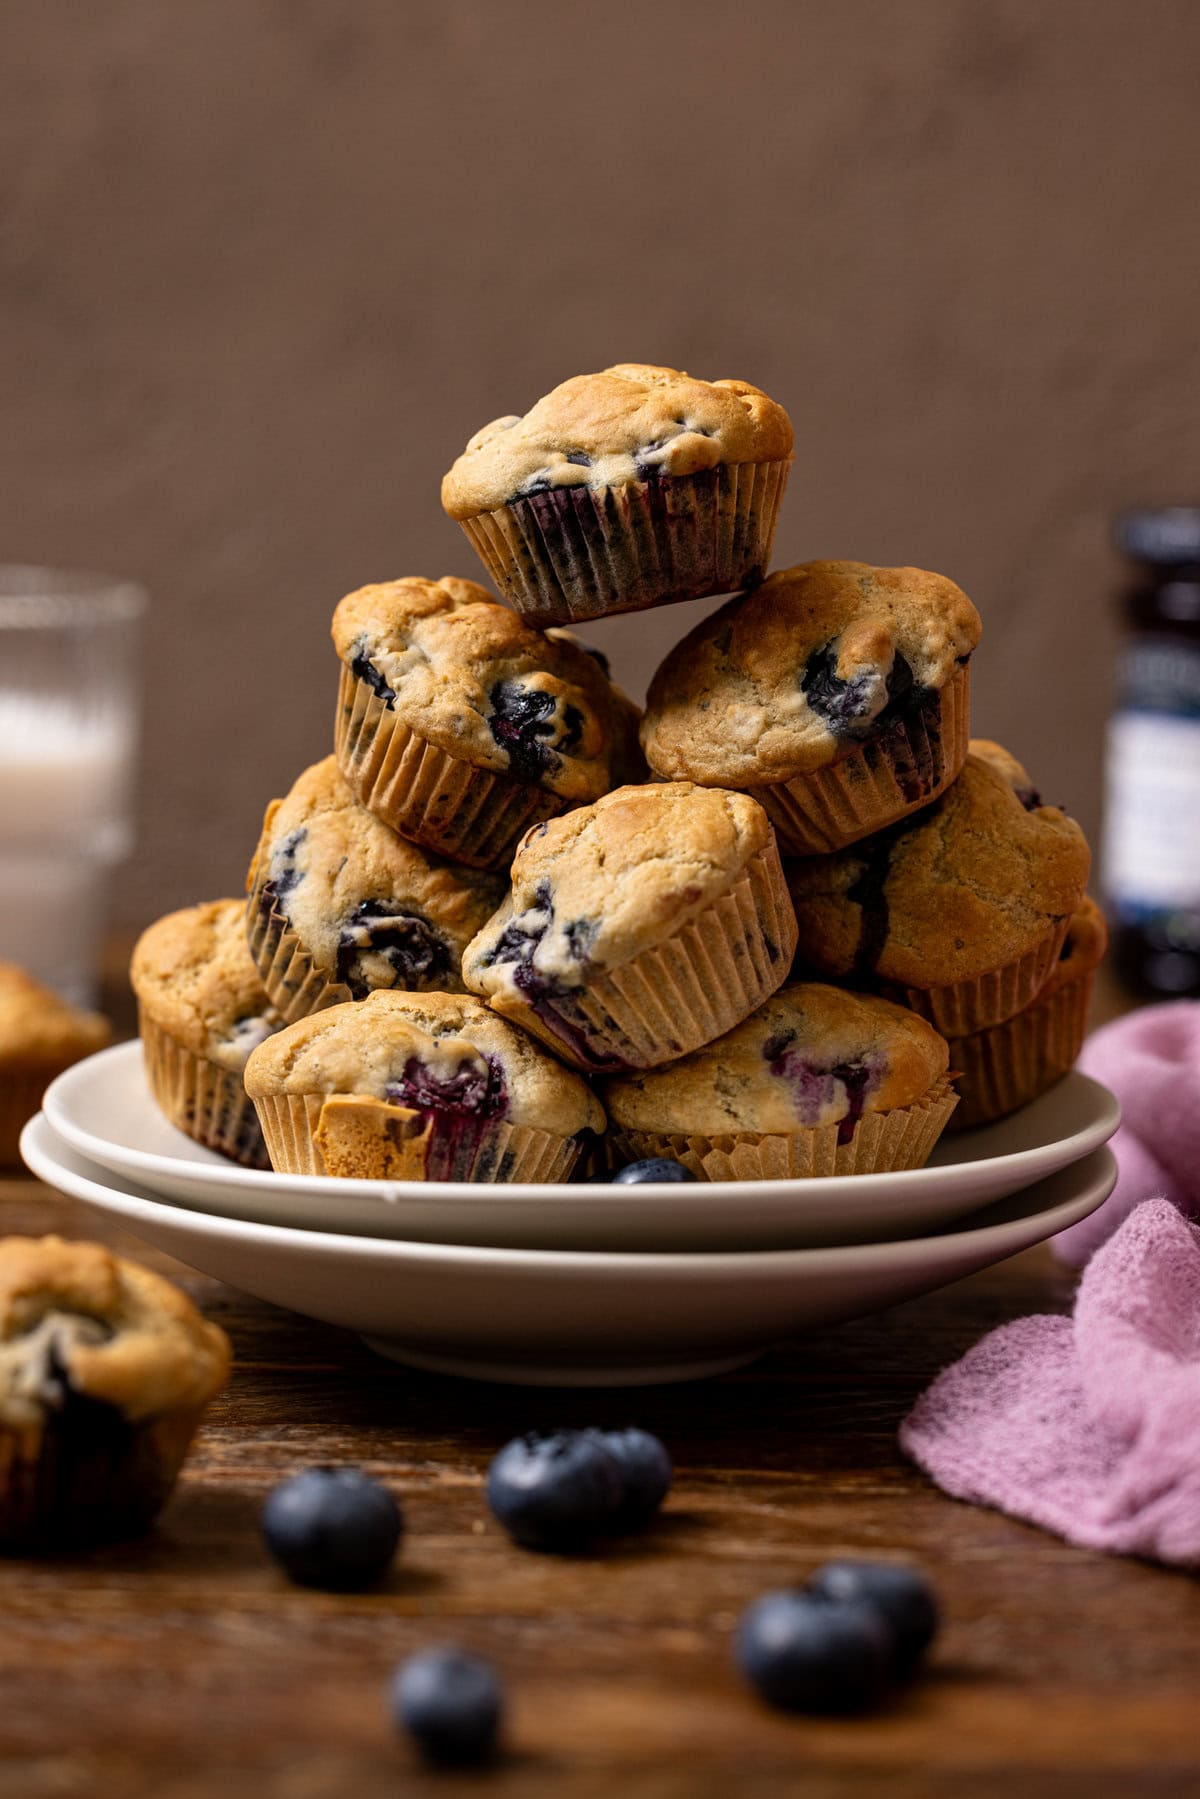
(532, 728)
(411, 950)
(814, 1086)
(461, 1105)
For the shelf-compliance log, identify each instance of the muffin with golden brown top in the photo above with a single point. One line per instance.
(459, 726)
(837, 693)
(105, 1370)
(959, 911)
(624, 489)
(1008, 1066)
(40, 1036)
(202, 1008)
(408, 1086)
(340, 905)
(816, 1082)
(640, 927)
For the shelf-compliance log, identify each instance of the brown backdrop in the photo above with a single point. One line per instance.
(267, 263)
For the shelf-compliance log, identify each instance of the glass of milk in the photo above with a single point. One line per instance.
(69, 708)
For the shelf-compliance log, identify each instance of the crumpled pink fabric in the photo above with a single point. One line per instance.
(1151, 1060)
(1090, 1425)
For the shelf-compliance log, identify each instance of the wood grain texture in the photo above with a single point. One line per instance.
(184, 1666)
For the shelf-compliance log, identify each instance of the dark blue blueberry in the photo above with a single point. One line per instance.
(845, 705)
(1029, 797)
(556, 1492)
(900, 1594)
(654, 1168)
(518, 941)
(580, 458)
(470, 1089)
(285, 876)
(580, 934)
(450, 1702)
(535, 485)
(411, 951)
(363, 669)
(521, 719)
(645, 1474)
(332, 1528)
(802, 1654)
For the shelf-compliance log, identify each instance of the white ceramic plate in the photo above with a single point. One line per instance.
(103, 1109)
(570, 1318)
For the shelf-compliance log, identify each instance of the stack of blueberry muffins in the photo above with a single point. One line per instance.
(791, 921)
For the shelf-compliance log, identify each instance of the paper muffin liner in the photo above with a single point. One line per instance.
(882, 1143)
(1009, 1065)
(295, 985)
(907, 766)
(437, 1147)
(576, 553)
(680, 994)
(205, 1101)
(20, 1097)
(467, 814)
(964, 1007)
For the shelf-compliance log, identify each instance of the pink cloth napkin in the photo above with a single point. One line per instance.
(1089, 1426)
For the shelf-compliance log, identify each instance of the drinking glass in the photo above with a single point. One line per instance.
(69, 711)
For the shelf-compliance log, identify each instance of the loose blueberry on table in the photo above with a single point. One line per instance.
(560, 1492)
(646, 1472)
(332, 1528)
(803, 1654)
(450, 1702)
(900, 1594)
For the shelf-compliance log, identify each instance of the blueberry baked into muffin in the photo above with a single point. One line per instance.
(816, 1082)
(959, 911)
(622, 490)
(408, 1086)
(837, 693)
(105, 1370)
(460, 726)
(40, 1036)
(1006, 1067)
(202, 1008)
(340, 905)
(638, 928)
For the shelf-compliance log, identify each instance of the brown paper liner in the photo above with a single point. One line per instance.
(906, 767)
(964, 1007)
(291, 1123)
(20, 1097)
(1008, 1066)
(882, 1143)
(576, 553)
(675, 997)
(205, 1101)
(467, 814)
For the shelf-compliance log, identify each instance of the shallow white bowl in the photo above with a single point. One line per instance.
(103, 1109)
(570, 1318)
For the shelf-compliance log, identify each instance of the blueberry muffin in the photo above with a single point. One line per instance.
(836, 693)
(40, 1036)
(959, 911)
(105, 1370)
(1011, 1064)
(202, 1008)
(640, 927)
(621, 490)
(460, 726)
(420, 1087)
(816, 1082)
(339, 905)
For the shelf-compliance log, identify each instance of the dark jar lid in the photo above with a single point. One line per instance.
(1166, 536)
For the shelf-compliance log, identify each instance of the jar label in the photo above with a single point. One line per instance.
(1152, 822)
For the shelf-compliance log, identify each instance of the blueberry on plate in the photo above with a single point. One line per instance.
(556, 1492)
(450, 1702)
(332, 1528)
(804, 1654)
(645, 1475)
(654, 1168)
(900, 1594)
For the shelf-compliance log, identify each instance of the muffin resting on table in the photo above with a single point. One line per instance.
(40, 1036)
(837, 693)
(624, 489)
(960, 911)
(640, 927)
(1006, 1067)
(201, 1009)
(816, 1082)
(409, 1086)
(105, 1370)
(460, 726)
(340, 905)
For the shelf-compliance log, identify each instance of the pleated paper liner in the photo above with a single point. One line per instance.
(902, 769)
(675, 997)
(353, 1135)
(964, 1007)
(20, 1098)
(882, 1143)
(1008, 1066)
(577, 553)
(470, 815)
(295, 985)
(205, 1101)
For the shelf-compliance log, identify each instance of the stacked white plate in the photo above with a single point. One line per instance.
(575, 1285)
